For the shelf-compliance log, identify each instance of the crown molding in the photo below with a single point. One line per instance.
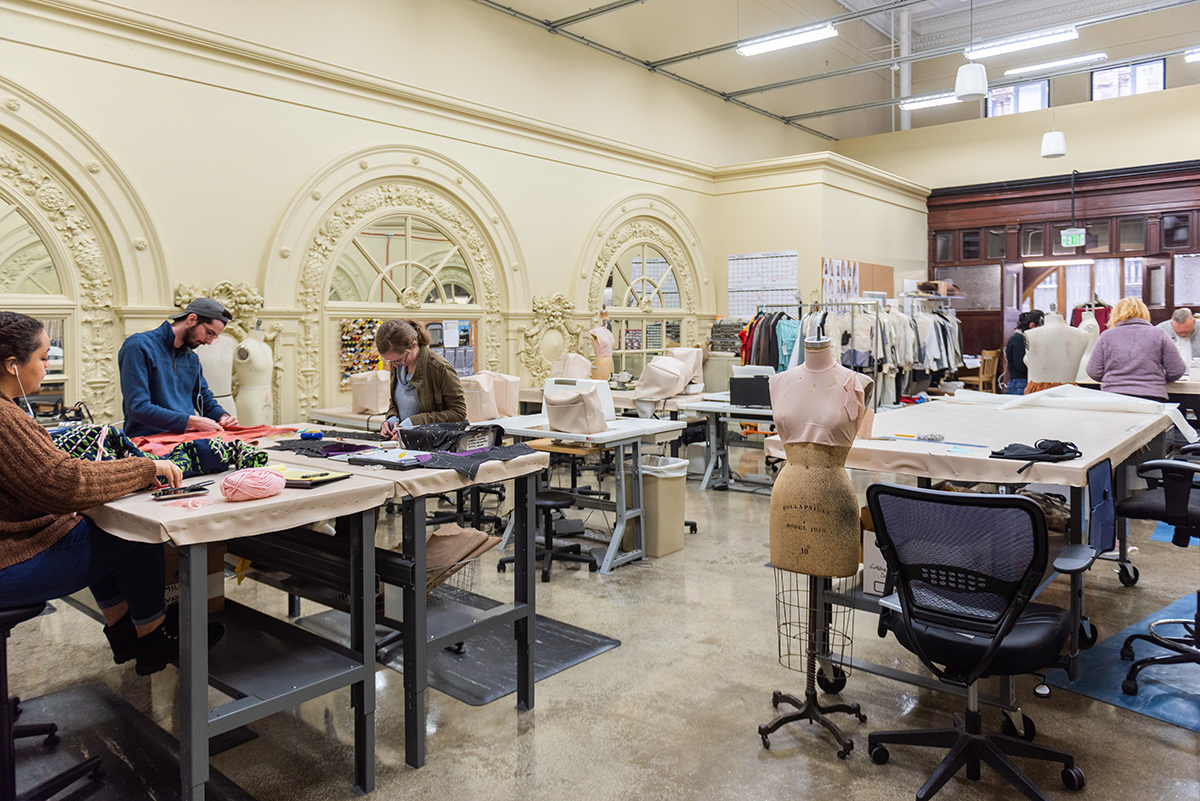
(815, 164)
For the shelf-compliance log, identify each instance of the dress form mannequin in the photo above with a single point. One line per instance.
(1054, 353)
(602, 345)
(819, 407)
(216, 362)
(254, 364)
(1088, 325)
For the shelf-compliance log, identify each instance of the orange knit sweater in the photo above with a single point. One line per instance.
(41, 487)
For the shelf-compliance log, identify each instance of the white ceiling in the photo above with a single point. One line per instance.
(644, 32)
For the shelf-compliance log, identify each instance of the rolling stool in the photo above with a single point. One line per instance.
(547, 502)
(10, 708)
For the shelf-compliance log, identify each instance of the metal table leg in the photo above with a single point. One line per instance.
(360, 530)
(193, 670)
(415, 634)
(524, 588)
(627, 515)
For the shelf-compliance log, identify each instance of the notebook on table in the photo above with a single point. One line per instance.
(307, 478)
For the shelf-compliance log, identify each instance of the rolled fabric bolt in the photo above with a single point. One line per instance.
(252, 483)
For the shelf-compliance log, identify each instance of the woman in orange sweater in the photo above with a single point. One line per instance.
(47, 549)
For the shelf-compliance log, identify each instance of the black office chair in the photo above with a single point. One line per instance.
(9, 731)
(548, 502)
(1171, 500)
(966, 567)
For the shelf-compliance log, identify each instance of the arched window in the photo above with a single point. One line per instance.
(644, 305)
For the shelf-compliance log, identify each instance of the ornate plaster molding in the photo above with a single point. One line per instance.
(15, 269)
(244, 303)
(63, 212)
(345, 219)
(549, 313)
(644, 229)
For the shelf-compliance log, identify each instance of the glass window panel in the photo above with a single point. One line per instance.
(997, 243)
(1175, 230)
(1032, 96)
(1002, 101)
(1149, 76)
(1158, 287)
(980, 285)
(1096, 236)
(1132, 234)
(1187, 280)
(1045, 294)
(1133, 278)
(25, 264)
(1032, 237)
(943, 247)
(970, 245)
(1108, 279)
(1010, 291)
(1056, 241)
(1078, 284)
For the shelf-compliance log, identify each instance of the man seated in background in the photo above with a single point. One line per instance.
(1182, 330)
(161, 379)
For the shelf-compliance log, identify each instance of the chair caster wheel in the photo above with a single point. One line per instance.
(545, 578)
(879, 755)
(1087, 635)
(593, 567)
(832, 685)
(1042, 691)
(1127, 652)
(1129, 686)
(845, 752)
(1009, 729)
(1073, 778)
(500, 567)
(51, 741)
(458, 649)
(1128, 574)
(766, 741)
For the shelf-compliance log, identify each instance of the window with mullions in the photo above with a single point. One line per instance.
(403, 259)
(1131, 79)
(643, 300)
(1018, 99)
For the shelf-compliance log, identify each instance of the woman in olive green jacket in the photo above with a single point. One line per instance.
(424, 386)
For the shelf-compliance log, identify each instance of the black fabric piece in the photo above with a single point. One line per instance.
(1044, 450)
(694, 432)
(315, 448)
(450, 436)
(465, 464)
(369, 436)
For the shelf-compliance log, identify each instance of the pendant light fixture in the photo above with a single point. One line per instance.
(971, 82)
(1054, 141)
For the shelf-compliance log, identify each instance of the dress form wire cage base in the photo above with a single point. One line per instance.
(815, 637)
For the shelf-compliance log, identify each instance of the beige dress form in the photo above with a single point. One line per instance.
(1054, 352)
(1089, 326)
(602, 344)
(819, 408)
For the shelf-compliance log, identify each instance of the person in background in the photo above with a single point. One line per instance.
(1014, 352)
(1182, 330)
(163, 386)
(48, 549)
(424, 386)
(1133, 357)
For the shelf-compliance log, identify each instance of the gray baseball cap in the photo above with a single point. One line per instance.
(207, 308)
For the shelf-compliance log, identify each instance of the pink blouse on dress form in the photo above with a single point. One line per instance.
(825, 407)
(602, 341)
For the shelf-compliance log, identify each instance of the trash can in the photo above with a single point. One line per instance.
(664, 485)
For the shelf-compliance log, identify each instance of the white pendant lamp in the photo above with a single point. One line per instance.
(971, 82)
(1054, 144)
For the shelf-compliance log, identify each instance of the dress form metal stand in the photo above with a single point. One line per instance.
(804, 617)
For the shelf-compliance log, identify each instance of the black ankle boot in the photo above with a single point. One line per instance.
(122, 639)
(156, 650)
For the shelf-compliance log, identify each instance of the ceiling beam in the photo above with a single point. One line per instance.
(594, 12)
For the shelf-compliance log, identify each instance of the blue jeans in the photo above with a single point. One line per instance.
(114, 569)
(1016, 386)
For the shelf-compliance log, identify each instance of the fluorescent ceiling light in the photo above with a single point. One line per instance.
(1051, 65)
(1192, 55)
(1022, 42)
(1059, 262)
(929, 101)
(771, 43)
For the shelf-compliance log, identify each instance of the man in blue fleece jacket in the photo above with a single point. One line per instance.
(161, 380)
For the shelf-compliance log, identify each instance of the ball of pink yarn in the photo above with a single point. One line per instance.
(254, 482)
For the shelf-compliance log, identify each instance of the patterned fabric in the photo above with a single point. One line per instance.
(215, 456)
(96, 443)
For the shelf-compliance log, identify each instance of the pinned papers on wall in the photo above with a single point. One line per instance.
(450, 333)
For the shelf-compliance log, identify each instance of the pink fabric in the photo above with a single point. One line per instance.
(825, 407)
(602, 341)
(162, 444)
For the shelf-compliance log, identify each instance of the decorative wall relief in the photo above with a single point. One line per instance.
(258, 353)
(341, 223)
(653, 232)
(554, 320)
(98, 320)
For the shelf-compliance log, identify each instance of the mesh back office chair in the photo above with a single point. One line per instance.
(966, 567)
(93, 768)
(1172, 500)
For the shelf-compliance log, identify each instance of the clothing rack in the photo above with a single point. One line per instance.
(854, 305)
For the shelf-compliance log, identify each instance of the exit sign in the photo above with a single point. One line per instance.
(1072, 237)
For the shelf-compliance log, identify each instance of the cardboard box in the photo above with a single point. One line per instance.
(216, 575)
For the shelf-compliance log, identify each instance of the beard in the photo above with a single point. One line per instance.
(191, 339)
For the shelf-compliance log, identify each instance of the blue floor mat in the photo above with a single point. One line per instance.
(1170, 693)
(1163, 533)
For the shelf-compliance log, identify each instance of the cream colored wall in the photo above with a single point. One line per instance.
(1123, 132)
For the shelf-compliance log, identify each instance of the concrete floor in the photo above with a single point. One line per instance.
(673, 712)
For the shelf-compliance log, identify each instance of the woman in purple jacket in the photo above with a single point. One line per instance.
(1133, 357)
